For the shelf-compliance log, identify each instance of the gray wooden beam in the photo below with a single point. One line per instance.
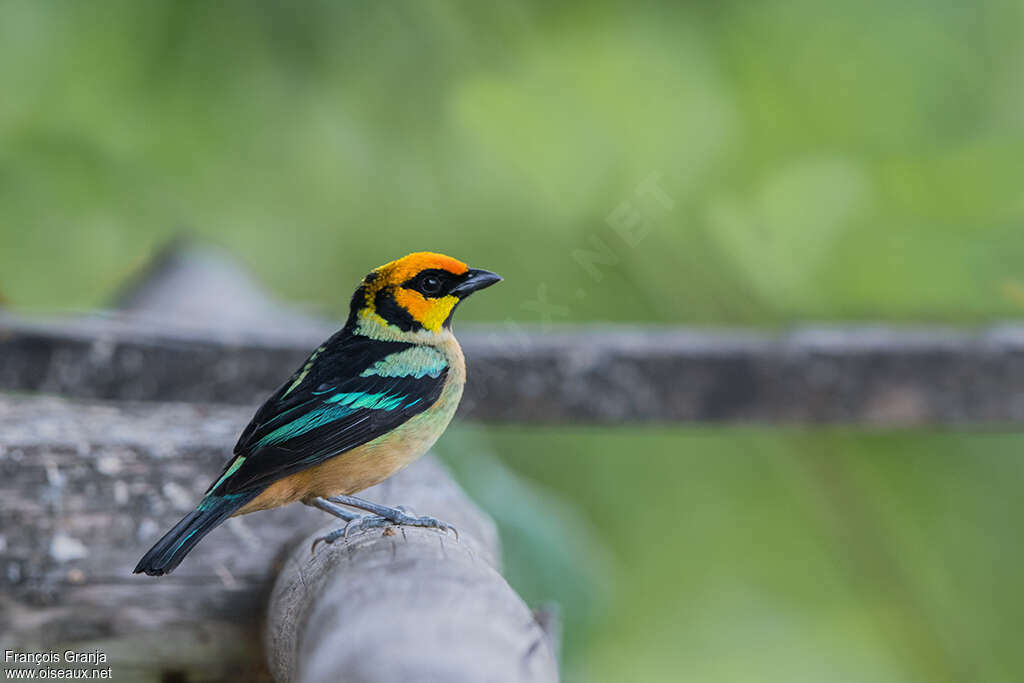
(86, 488)
(406, 605)
(823, 374)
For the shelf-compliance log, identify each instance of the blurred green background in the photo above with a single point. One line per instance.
(725, 163)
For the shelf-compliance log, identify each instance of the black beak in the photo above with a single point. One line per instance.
(475, 280)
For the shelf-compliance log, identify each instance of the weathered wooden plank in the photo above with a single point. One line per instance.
(411, 606)
(870, 375)
(86, 487)
(125, 358)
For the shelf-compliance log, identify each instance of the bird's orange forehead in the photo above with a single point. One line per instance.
(399, 271)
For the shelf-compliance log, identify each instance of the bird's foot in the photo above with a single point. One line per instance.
(403, 519)
(368, 522)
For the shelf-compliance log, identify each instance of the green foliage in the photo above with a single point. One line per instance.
(780, 555)
(842, 160)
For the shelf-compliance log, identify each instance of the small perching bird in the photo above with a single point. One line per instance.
(367, 402)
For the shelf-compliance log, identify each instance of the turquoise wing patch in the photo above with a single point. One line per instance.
(335, 407)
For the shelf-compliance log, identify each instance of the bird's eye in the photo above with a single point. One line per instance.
(430, 285)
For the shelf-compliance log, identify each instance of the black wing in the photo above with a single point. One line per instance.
(348, 392)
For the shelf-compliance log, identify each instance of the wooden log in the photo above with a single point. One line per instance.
(857, 375)
(86, 487)
(405, 604)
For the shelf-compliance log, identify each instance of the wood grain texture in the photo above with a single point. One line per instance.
(853, 375)
(86, 487)
(410, 606)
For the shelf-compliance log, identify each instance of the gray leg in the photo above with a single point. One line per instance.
(392, 513)
(331, 509)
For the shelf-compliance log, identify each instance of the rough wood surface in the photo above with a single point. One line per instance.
(86, 487)
(872, 375)
(406, 605)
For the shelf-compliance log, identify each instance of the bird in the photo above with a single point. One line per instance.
(367, 402)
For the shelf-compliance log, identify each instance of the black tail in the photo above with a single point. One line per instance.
(170, 550)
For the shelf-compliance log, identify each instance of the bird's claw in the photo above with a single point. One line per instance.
(433, 523)
(328, 539)
(427, 522)
(368, 522)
